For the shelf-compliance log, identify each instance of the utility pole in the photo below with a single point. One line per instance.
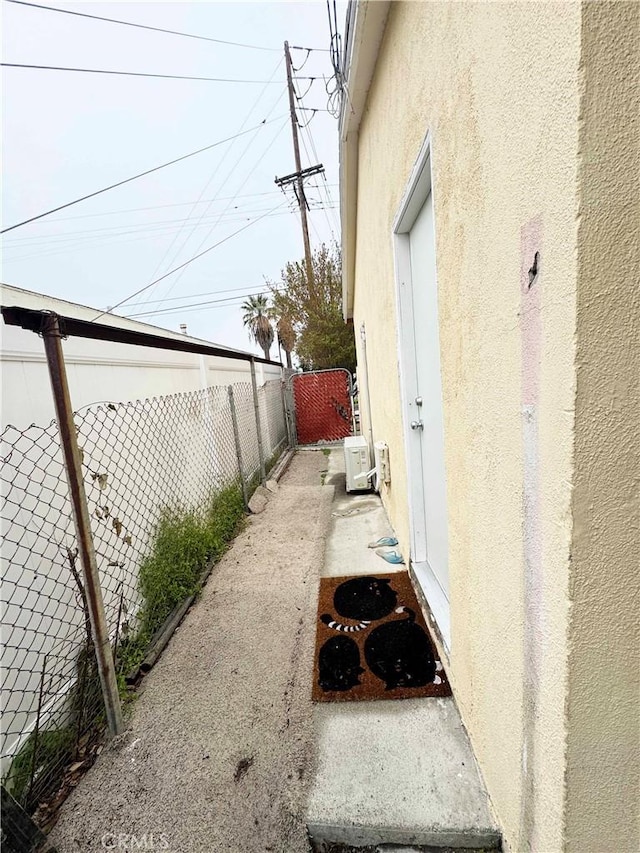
(297, 177)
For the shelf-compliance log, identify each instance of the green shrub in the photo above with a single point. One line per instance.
(183, 543)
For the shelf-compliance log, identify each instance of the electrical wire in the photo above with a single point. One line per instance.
(143, 26)
(222, 185)
(232, 304)
(186, 263)
(124, 228)
(131, 73)
(304, 61)
(82, 234)
(171, 204)
(323, 187)
(227, 299)
(305, 131)
(197, 295)
(328, 203)
(306, 150)
(74, 247)
(257, 163)
(135, 177)
(336, 86)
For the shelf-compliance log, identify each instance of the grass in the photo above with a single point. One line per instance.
(185, 541)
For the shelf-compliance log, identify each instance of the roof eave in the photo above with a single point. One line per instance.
(366, 21)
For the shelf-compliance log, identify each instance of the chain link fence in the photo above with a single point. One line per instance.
(166, 481)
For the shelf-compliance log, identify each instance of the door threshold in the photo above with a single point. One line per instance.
(436, 601)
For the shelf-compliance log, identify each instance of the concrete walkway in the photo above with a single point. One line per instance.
(224, 751)
(390, 772)
(218, 755)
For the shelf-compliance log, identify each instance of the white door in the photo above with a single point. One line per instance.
(422, 393)
(427, 427)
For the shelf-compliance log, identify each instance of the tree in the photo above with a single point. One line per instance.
(256, 318)
(322, 339)
(286, 336)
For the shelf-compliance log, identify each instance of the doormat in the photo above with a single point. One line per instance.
(372, 642)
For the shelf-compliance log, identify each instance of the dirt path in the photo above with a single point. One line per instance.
(218, 754)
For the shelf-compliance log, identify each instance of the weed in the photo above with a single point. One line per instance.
(54, 749)
(183, 543)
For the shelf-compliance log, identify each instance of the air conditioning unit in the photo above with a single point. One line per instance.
(357, 463)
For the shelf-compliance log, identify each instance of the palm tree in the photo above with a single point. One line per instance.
(286, 336)
(256, 318)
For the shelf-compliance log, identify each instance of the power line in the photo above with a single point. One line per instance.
(237, 214)
(232, 304)
(220, 187)
(186, 263)
(142, 26)
(174, 257)
(109, 240)
(135, 177)
(196, 295)
(133, 73)
(255, 166)
(306, 130)
(172, 204)
(227, 300)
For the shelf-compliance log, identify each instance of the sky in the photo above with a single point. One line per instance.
(67, 134)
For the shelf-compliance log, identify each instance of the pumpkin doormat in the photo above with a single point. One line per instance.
(372, 641)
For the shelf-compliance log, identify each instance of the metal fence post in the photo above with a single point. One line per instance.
(285, 413)
(236, 438)
(256, 407)
(73, 468)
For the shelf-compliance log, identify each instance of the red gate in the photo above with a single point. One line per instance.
(322, 401)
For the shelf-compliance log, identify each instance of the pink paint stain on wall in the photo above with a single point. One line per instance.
(531, 331)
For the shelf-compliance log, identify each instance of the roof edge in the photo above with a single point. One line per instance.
(366, 20)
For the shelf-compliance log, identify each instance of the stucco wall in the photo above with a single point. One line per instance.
(497, 87)
(603, 726)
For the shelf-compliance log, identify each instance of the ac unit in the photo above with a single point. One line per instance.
(357, 463)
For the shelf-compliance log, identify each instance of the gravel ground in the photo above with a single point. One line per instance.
(218, 755)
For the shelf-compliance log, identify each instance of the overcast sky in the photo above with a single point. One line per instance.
(68, 134)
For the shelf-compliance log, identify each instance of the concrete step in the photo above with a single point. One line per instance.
(394, 772)
(387, 848)
(397, 772)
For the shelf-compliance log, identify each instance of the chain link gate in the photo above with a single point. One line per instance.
(319, 407)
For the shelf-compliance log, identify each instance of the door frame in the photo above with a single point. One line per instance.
(417, 190)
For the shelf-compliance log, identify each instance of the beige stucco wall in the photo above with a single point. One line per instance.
(603, 725)
(497, 86)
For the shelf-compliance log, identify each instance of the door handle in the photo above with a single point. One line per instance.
(417, 425)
